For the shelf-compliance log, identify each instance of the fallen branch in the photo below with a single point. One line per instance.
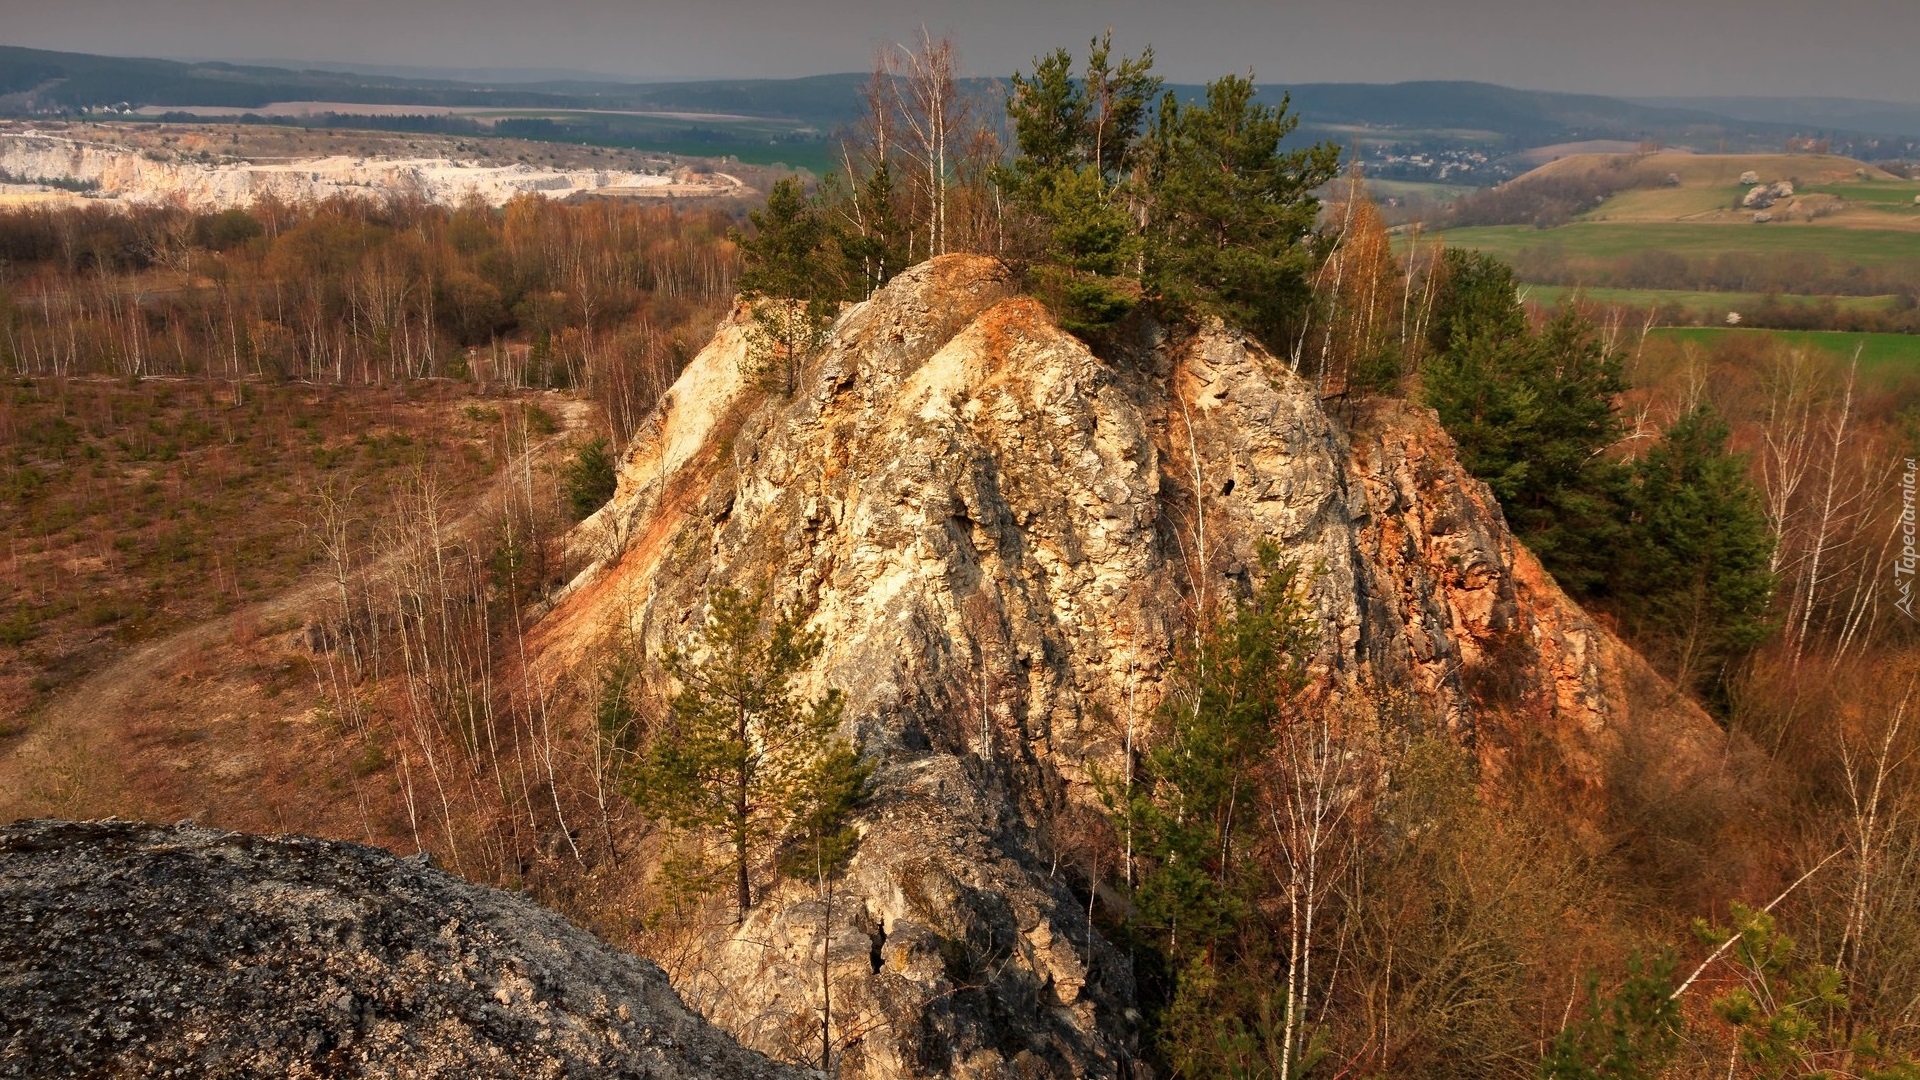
(1727, 944)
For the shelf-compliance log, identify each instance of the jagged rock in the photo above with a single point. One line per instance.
(146, 950)
(1759, 198)
(1000, 536)
(1749, 177)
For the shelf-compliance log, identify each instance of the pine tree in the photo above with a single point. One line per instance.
(1789, 1013)
(1048, 114)
(1230, 211)
(741, 751)
(1193, 811)
(590, 479)
(819, 846)
(868, 230)
(1478, 297)
(791, 289)
(1077, 142)
(1532, 415)
(1220, 722)
(1092, 249)
(1629, 1034)
(1695, 578)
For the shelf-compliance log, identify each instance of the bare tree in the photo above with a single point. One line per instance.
(1311, 806)
(928, 104)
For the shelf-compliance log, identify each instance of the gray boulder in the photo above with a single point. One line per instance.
(147, 950)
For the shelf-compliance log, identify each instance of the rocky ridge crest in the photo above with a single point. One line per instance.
(1001, 537)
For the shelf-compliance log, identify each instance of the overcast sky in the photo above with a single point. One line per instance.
(1856, 48)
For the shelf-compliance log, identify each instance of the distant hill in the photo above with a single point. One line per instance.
(1456, 132)
(35, 80)
(1479, 133)
(1677, 170)
(1524, 115)
(1840, 114)
(38, 80)
(1826, 190)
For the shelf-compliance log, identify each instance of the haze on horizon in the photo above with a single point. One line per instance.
(1844, 48)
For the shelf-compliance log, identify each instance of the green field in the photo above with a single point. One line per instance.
(751, 140)
(1881, 194)
(1419, 190)
(1882, 353)
(1699, 301)
(1612, 240)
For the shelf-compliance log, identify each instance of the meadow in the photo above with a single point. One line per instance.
(1703, 303)
(130, 509)
(1616, 239)
(1888, 355)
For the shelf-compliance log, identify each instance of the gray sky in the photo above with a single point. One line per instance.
(1856, 48)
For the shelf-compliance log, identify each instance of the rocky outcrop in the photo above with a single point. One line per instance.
(142, 950)
(1495, 647)
(124, 173)
(1762, 196)
(1001, 537)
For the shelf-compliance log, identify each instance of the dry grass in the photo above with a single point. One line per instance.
(160, 598)
(1715, 170)
(132, 510)
(1831, 191)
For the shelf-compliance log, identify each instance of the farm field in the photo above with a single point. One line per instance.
(1841, 247)
(1612, 240)
(1885, 355)
(1866, 204)
(1413, 190)
(1700, 301)
(1688, 205)
(1898, 193)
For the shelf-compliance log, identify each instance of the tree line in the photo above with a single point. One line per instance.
(1811, 273)
(605, 296)
(1114, 197)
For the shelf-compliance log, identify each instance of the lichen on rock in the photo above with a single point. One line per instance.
(147, 950)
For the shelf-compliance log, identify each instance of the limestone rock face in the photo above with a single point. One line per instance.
(144, 950)
(1002, 537)
(122, 173)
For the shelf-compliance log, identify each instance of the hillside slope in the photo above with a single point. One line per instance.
(1001, 538)
(1677, 188)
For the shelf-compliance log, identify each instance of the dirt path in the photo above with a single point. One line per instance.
(84, 751)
